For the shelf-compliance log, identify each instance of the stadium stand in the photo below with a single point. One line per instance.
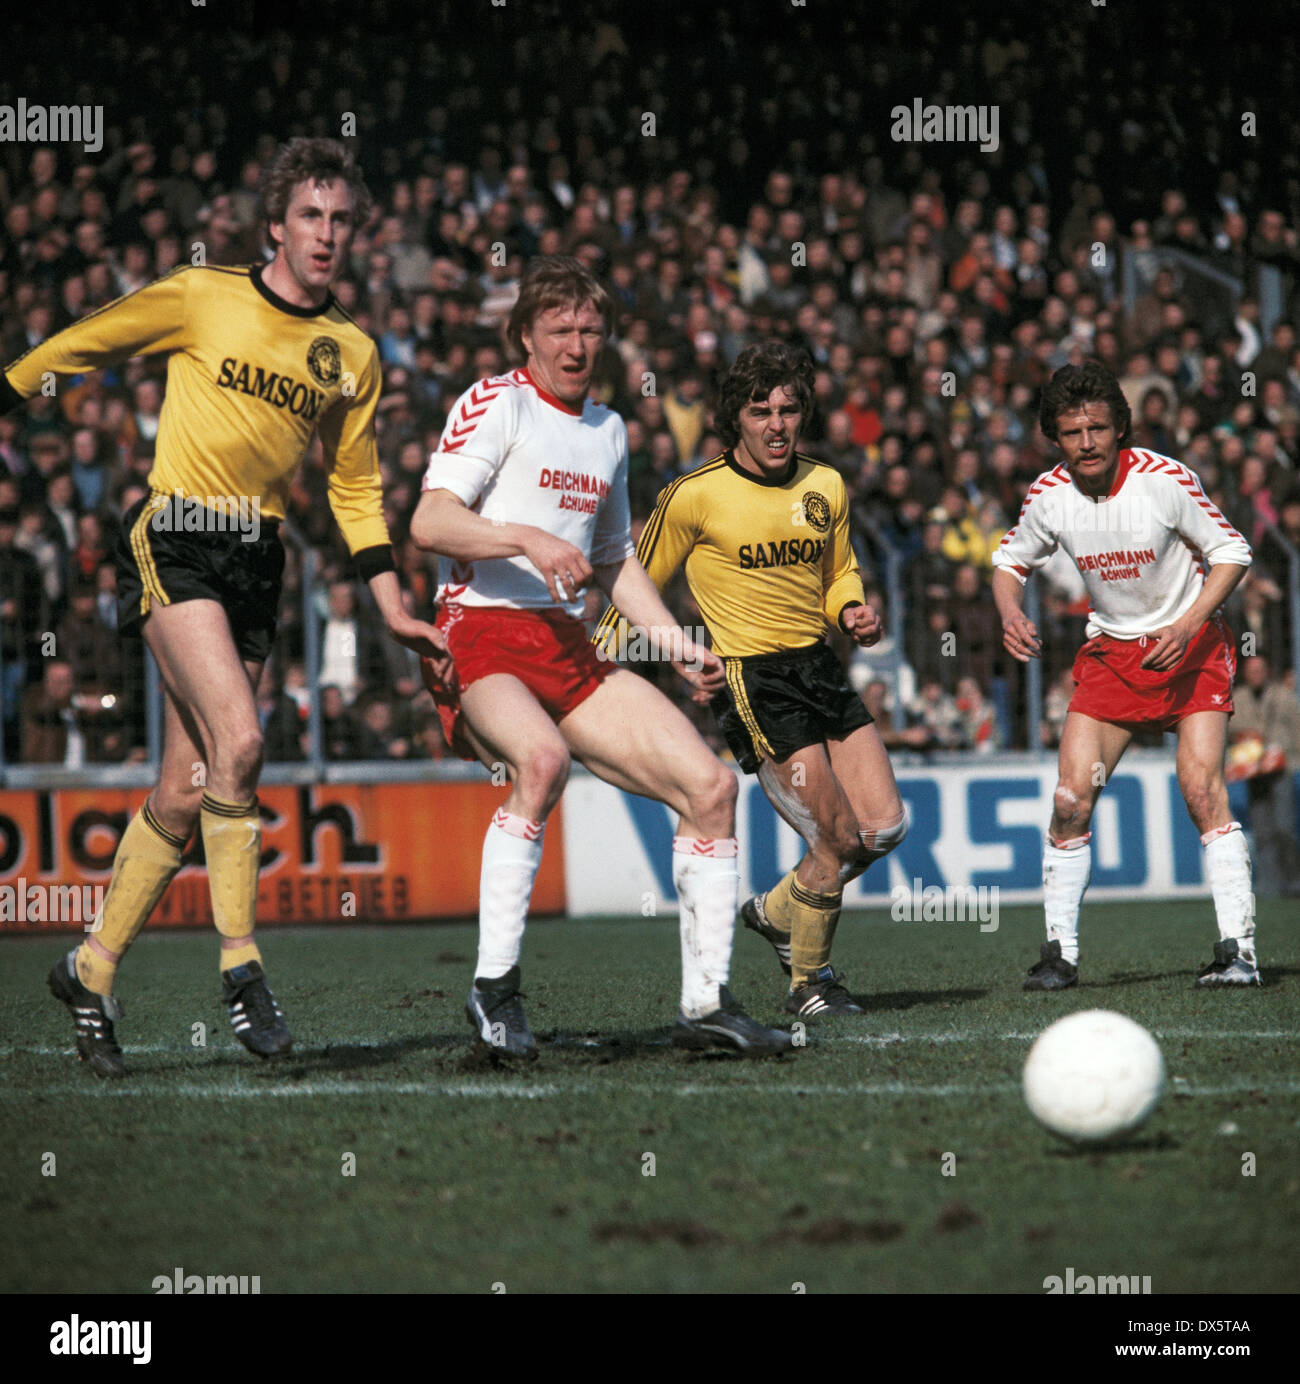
(730, 186)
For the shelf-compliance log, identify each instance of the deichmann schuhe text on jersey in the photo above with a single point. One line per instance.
(516, 454)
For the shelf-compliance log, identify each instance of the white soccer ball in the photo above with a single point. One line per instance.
(1093, 1076)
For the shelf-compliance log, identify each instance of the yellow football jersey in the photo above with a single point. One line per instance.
(768, 559)
(250, 377)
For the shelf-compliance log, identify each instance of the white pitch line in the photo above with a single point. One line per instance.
(831, 1038)
(550, 1090)
(974, 1036)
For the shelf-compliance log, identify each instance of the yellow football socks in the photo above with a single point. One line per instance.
(813, 918)
(148, 856)
(232, 843)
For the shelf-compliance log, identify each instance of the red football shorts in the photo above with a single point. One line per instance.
(547, 650)
(1113, 686)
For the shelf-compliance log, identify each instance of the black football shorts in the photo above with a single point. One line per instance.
(157, 562)
(775, 704)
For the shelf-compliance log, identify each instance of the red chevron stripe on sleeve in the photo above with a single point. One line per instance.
(473, 405)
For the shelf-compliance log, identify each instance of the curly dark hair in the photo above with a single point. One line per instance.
(555, 281)
(1073, 386)
(757, 371)
(304, 160)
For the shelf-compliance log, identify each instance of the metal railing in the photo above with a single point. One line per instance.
(311, 644)
(1214, 293)
(896, 599)
(1034, 673)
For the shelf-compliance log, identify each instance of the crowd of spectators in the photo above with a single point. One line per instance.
(729, 187)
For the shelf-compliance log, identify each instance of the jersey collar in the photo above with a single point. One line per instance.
(729, 456)
(1123, 465)
(553, 400)
(1126, 463)
(282, 304)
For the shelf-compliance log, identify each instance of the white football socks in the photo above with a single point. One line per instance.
(707, 881)
(1227, 868)
(512, 853)
(1067, 866)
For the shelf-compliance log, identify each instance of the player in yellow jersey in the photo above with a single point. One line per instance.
(259, 360)
(763, 532)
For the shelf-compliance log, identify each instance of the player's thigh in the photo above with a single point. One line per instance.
(861, 764)
(1202, 744)
(632, 736)
(1089, 752)
(507, 725)
(202, 669)
(805, 790)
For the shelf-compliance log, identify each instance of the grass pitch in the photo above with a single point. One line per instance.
(825, 1168)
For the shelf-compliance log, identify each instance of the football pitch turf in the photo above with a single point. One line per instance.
(824, 1168)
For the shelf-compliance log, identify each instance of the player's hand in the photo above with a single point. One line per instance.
(703, 669)
(563, 568)
(1171, 645)
(1020, 637)
(863, 625)
(424, 639)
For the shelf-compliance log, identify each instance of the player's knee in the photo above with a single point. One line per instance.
(874, 843)
(176, 804)
(1070, 805)
(838, 841)
(713, 798)
(241, 755)
(545, 772)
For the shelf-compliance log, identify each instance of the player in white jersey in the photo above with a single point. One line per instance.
(527, 494)
(1158, 560)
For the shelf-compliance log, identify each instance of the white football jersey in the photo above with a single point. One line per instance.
(1142, 550)
(518, 455)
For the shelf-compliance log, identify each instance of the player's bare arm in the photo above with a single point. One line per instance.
(1019, 633)
(444, 524)
(1172, 640)
(424, 639)
(631, 591)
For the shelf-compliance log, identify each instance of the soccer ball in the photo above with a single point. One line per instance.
(1093, 1076)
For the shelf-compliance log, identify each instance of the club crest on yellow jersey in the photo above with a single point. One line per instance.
(817, 510)
(324, 361)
